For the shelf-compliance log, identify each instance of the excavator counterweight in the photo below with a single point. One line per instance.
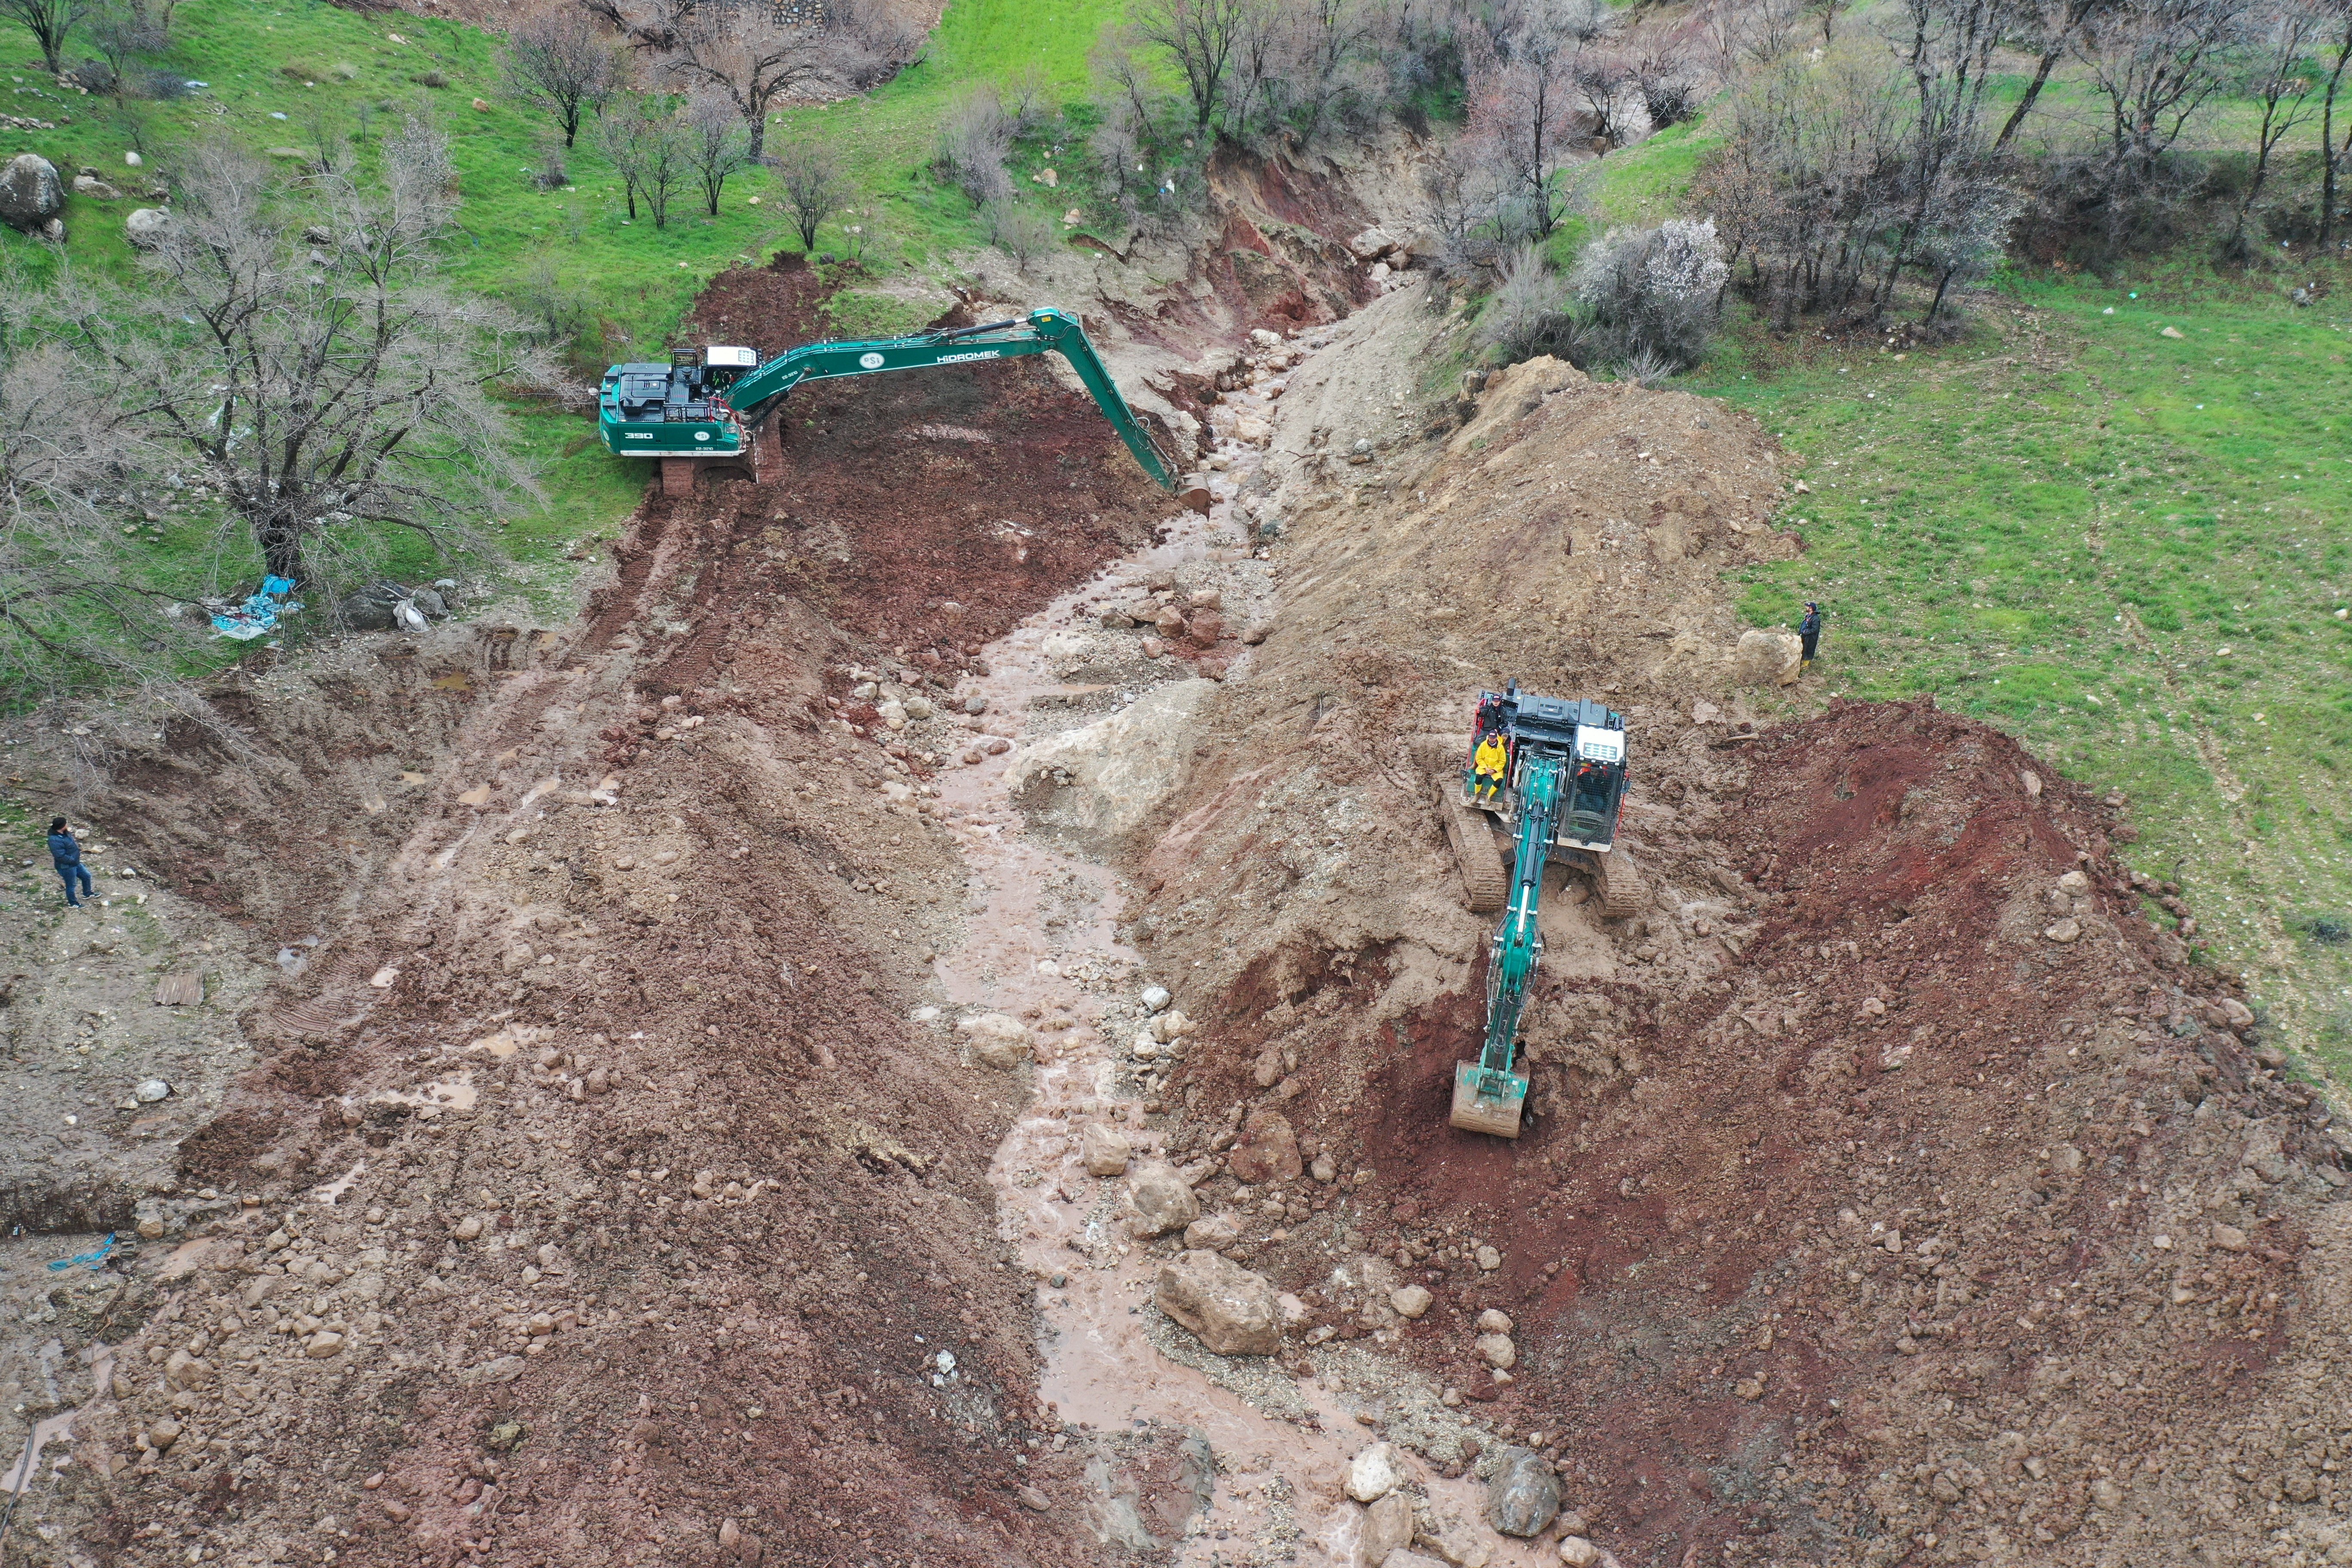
(1554, 771)
(712, 404)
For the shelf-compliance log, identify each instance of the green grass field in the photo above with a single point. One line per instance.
(2132, 550)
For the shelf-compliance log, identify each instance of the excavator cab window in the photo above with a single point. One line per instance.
(1599, 768)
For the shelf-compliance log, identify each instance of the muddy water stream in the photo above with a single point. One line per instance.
(1040, 935)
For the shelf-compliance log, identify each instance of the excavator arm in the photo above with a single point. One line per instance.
(1041, 332)
(1488, 1093)
(719, 424)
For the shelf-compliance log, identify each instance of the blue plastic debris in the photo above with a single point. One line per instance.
(97, 1261)
(258, 615)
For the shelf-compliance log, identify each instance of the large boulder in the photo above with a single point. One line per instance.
(1767, 659)
(1098, 783)
(1523, 1495)
(31, 194)
(1162, 1201)
(1227, 1308)
(1267, 1149)
(146, 227)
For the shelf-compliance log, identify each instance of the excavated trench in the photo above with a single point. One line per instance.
(673, 1148)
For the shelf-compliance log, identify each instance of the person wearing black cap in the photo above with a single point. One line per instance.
(1810, 628)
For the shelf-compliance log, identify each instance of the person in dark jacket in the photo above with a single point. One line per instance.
(66, 855)
(1810, 628)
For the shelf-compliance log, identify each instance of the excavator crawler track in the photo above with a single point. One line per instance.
(1483, 880)
(1622, 892)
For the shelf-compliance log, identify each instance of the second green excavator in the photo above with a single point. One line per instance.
(1553, 770)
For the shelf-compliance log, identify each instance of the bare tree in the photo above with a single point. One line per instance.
(1200, 37)
(76, 608)
(1600, 77)
(975, 138)
(558, 61)
(749, 52)
(2332, 154)
(51, 23)
(2157, 63)
(328, 406)
(121, 34)
(1524, 101)
(2285, 32)
(814, 187)
(716, 146)
(2056, 24)
(623, 137)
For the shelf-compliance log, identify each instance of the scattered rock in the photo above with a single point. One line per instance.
(1411, 1301)
(1266, 1151)
(1323, 1170)
(1489, 1259)
(2229, 1237)
(1495, 1320)
(1155, 997)
(1456, 1543)
(1162, 1201)
(1405, 1557)
(31, 194)
(1031, 1498)
(1374, 1473)
(1211, 1233)
(1498, 1350)
(999, 1039)
(1578, 1552)
(1387, 1527)
(1523, 1496)
(149, 1092)
(91, 185)
(1104, 1151)
(2172, 332)
(161, 1435)
(2064, 930)
(1227, 1306)
(146, 227)
(322, 1345)
(2236, 1013)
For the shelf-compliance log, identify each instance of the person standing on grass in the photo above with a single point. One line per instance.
(1810, 628)
(66, 854)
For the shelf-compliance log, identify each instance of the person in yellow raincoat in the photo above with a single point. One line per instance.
(1488, 763)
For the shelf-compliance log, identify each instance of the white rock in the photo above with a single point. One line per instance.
(1155, 997)
(1494, 1320)
(1411, 1301)
(1498, 1350)
(147, 226)
(151, 1090)
(2074, 883)
(1578, 1552)
(1211, 1233)
(1375, 1473)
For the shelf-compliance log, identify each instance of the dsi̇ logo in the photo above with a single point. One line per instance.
(869, 360)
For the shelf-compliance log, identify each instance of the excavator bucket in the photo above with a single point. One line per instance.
(1486, 1100)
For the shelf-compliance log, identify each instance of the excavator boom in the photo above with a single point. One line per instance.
(711, 410)
(1488, 1093)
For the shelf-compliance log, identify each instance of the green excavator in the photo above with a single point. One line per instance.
(1563, 779)
(709, 405)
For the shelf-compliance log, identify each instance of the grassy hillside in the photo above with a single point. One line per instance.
(290, 79)
(2113, 521)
